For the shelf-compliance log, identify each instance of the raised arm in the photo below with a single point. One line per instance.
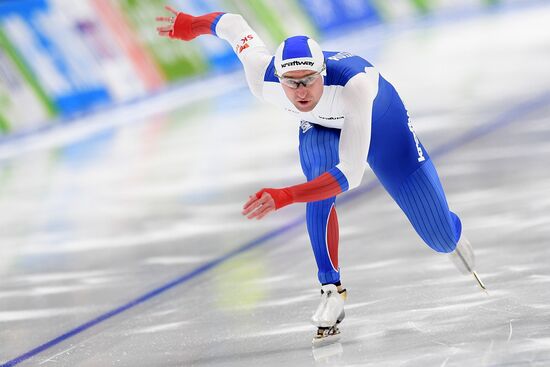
(358, 94)
(246, 43)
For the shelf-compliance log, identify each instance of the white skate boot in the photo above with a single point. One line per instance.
(329, 314)
(464, 259)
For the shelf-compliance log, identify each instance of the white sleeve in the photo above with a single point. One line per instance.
(248, 46)
(358, 96)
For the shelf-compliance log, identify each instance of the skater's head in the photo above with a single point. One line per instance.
(300, 67)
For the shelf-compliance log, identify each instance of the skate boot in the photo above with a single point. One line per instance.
(464, 259)
(329, 314)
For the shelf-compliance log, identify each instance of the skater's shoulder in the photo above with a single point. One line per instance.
(342, 66)
(270, 73)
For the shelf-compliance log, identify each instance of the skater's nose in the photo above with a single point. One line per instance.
(301, 91)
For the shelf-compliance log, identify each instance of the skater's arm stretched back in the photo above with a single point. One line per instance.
(248, 46)
(358, 96)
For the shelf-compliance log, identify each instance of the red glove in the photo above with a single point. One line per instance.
(187, 27)
(325, 186)
(266, 201)
(281, 197)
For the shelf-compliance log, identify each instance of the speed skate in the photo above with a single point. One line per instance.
(329, 314)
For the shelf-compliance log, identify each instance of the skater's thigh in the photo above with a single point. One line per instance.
(318, 149)
(395, 151)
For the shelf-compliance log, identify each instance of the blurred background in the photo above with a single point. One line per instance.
(125, 159)
(60, 59)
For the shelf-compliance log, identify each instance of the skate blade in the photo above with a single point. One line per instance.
(479, 281)
(325, 340)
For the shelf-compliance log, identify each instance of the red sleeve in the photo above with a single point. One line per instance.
(325, 186)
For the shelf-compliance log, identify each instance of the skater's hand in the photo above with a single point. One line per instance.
(258, 206)
(179, 25)
(167, 28)
(266, 201)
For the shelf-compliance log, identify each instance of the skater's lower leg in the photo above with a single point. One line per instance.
(322, 226)
(422, 198)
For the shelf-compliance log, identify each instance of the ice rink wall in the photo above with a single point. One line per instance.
(60, 59)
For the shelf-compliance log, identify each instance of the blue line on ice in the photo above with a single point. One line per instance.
(507, 117)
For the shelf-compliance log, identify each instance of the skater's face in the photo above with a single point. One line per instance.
(308, 91)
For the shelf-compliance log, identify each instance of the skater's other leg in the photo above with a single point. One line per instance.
(422, 199)
(406, 171)
(322, 224)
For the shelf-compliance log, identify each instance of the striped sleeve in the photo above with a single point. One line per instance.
(327, 185)
(358, 94)
(249, 48)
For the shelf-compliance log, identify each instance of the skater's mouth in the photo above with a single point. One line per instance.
(304, 105)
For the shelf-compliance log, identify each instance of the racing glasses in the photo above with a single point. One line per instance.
(305, 81)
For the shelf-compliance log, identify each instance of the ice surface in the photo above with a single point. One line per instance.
(87, 227)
